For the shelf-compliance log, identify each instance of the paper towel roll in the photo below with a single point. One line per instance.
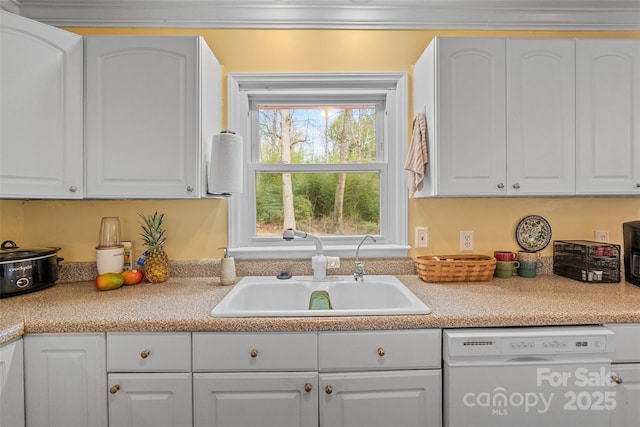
(226, 164)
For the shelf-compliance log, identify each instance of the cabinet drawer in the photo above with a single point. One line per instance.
(255, 352)
(147, 352)
(352, 351)
(627, 342)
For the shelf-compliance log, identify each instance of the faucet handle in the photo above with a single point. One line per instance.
(358, 273)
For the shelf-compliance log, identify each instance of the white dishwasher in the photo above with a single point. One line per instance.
(528, 377)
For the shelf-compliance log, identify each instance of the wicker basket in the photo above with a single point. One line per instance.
(456, 268)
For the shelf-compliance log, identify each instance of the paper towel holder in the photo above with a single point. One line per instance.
(224, 168)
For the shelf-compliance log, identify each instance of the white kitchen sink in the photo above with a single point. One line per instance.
(266, 296)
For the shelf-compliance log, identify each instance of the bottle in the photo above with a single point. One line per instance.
(227, 269)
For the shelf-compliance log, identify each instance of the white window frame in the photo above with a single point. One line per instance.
(392, 241)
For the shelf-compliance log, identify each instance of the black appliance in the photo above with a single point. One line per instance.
(631, 237)
(25, 270)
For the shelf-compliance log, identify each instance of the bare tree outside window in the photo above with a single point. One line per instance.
(318, 199)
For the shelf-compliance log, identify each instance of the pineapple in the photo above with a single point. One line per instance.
(156, 267)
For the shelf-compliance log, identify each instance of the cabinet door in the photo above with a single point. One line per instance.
(12, 384)
(42, 99)
(266, 399)
(150, 400)
(65, 380)
(540, 116)
(608, 116)
(142, 117)
(471, 130)
(381, 399)
(627, 396)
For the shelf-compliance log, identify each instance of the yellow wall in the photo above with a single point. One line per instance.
(197, 228)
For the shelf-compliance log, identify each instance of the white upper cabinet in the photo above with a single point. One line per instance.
(608, 116)
(152, 104)
(41, 123)
(500, 116)
(459, 85)
(540, 116)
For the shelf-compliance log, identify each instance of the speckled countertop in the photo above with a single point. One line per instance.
(183, 304)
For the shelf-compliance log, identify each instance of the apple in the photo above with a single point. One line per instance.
(132, 277)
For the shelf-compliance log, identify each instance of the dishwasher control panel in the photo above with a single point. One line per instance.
(580, 344)
(528, 341)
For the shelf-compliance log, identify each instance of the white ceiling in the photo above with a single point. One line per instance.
(411, 14)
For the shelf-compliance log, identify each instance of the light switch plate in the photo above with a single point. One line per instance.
(422, 237)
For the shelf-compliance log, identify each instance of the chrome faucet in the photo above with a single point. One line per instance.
(358, 273)
(319, 260)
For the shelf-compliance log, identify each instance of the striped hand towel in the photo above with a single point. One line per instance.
(417, 157)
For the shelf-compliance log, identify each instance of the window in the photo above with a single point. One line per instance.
(324, 154)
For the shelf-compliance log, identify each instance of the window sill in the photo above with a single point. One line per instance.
(307, 251)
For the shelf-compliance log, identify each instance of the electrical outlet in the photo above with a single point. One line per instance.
(601, 236)
(466, 241)
(422, 237)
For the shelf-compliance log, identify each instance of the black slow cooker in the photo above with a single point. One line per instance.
(26, 270)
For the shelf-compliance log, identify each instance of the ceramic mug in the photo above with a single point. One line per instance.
(505, 269)
(110, 260)
(505, 256)
(528, 256)
(528, 269)
(504, 274)
(507, 265)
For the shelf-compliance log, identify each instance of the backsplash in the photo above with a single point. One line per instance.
(87, 271)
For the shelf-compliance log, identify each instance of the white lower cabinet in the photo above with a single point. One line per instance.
(627, 398)
(279, 379)
(380, 378)
(265, 399)
(12, 384)
(255, 379)
(330, 379)
(381, 399)
(625, 375)
(65, 380)
(149, 379)
(150, 400)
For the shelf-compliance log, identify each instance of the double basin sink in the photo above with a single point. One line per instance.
(264, 296)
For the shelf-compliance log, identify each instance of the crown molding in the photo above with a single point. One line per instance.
(347, 14)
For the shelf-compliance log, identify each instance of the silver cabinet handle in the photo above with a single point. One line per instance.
(73, 189)
(516, 185)
(501, 185)
(190, 189)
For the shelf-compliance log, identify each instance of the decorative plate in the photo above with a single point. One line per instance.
(533, 233)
